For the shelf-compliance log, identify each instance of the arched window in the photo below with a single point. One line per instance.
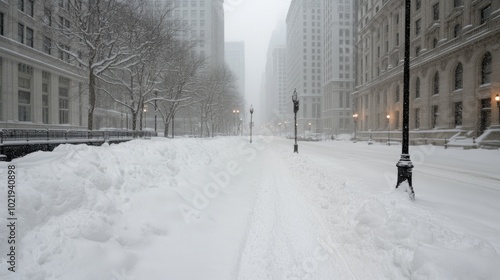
(486, 69)
(417, 88)
(459, 72)
(436, 83)
(434, 43)
(457, 29)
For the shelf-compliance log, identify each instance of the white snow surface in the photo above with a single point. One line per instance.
(226, 209)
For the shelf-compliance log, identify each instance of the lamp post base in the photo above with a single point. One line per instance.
(405, 167)
(296, 148)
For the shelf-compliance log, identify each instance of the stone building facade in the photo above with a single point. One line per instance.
(455, 67)
(39, 86)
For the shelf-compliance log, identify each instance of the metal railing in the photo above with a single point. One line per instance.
(26, 136)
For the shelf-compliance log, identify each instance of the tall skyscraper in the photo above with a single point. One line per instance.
(305, 61)
(275, 78)
(235, 59)
(338, 69)
(204, 20)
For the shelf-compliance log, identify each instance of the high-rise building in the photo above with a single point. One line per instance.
(39, 86)
(338, 66)
(204, 23)
(275, 95)
(454, 67)
(235, 59)
(305, 61)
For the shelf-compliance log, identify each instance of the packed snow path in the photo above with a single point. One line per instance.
(227, 209)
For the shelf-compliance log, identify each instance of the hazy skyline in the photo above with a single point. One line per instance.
(253, 22)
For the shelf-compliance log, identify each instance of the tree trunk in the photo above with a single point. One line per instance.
(165, 133)
(92, 99)
(173, 131)
(134, 120)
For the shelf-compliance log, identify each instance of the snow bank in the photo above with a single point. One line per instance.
(89, 212)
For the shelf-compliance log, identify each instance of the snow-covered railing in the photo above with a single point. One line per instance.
(40, 136)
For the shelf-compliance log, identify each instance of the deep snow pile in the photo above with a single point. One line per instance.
(224, 209)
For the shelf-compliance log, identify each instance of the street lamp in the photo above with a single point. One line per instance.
(236, 112)
(145, 116)
(295, 100)
(355, 117)
(279, 126)
(156, 109)
(388, 130)
(404, 165)
(497, 99)
(251, 122)
(309, 128)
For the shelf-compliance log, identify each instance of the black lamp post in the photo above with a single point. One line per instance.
(251, 122)
(405, 166)
(156, 108)
(236, 113)
(295, 100)
(497, 99)
(355, 117)
(388, 130)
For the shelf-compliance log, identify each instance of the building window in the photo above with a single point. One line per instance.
(24, 92)
(47, 45)
(397, 39)
(418, 4)
(457, 111)
(1, 24)
(457, 3)
(20, 5)
(486, 69)
(485, 13)
(417, 118)
(47, 16)
(457, 29)
(29, 37)
(30, 7)
(435, 11)
(417, 88)
(434, 43)
(418, 23)
(434, 117)
(45, 96)
(435, 84)
(417, 50)
(20, 33)
(63, 100)
(459, 72)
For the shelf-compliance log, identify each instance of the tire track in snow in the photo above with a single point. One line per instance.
(284, 237)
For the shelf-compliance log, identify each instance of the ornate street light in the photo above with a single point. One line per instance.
(355, 117)
(405, 166)
(236, 113)
(497, 99)
(388, 130)
(295, 100)
(251, 122)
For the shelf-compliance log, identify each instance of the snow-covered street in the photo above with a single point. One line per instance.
(226, 209)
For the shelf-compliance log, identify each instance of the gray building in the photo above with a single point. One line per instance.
(39, 86)
(204, 23)
(235, 59)
(455, 67)
(305, 61)
(338, 66)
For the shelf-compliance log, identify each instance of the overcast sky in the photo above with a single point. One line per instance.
(253, 21)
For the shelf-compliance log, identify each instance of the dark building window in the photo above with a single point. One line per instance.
(459, 72)
(418, 4)
(20, 33)
(47, 45)
(485, 13)
(417, 88)
(29, 37)
(1, 24)
(20, 5)
(486, 69)
(434, 117)
(417, 118)
(436, 84)
(30, 7)
(457, 29)
(457, 3)
(396, 94)
(435, 11)
(457, 111)
(418, 23)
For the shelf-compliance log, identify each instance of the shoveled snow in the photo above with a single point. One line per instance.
(227, 209)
